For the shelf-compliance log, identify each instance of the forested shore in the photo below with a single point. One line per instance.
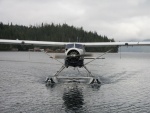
(50, 32)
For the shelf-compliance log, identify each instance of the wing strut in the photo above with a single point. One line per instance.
(98, 57)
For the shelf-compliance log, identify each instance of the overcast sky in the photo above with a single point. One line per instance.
(122, 20)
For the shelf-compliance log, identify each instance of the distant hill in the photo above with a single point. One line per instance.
(147, 40)
(136, 48)
(50, 32)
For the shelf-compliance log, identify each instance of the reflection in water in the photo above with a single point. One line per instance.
(73, 99)
(50, 85)
(95, 87)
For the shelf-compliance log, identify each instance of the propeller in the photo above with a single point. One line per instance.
(72, 56)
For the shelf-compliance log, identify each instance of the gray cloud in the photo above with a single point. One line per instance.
(118, 19)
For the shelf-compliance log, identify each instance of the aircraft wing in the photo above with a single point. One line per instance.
(27, 42)
(86, 44)
(102, 44)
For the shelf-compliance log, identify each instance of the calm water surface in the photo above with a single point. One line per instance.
(125, 85)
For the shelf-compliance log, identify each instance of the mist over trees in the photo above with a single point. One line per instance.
(51, 32)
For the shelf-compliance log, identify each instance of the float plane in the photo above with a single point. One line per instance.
(74, 53)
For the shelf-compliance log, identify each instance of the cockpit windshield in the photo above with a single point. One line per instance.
(79, 46)
(69, 46)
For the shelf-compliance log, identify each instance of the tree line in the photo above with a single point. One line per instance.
(51, 32)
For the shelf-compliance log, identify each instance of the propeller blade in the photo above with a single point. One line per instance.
(59, 56)
(64, 56)
(87, 55)
(92, 58)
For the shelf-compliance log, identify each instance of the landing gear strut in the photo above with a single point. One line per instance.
(94, 79)
(60, 70)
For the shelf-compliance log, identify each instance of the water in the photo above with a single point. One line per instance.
(125, 85)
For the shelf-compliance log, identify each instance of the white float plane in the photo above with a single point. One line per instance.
(74, 52)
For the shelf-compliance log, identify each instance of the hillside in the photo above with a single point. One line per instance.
(50, 32)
